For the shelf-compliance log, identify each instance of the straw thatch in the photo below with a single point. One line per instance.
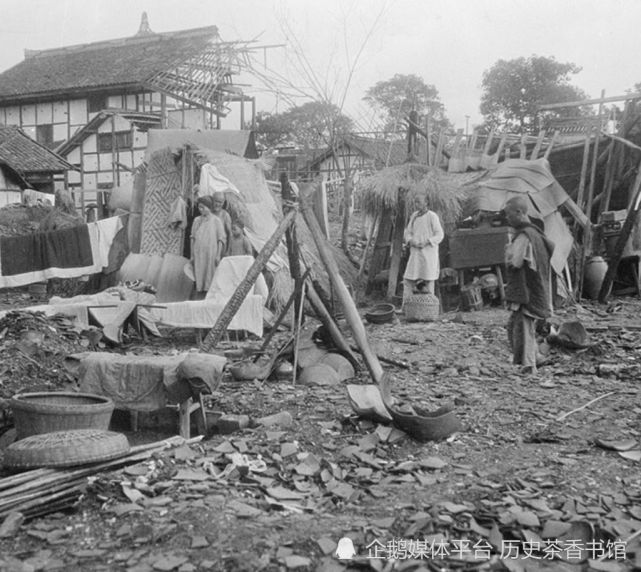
(445, 193)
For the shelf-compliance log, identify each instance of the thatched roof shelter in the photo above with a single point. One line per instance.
(398, 185)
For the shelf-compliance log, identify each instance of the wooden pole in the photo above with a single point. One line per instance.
(537, 148)
(279, 320)
(622, 239)
(614, 162)
(349, 308)
(584, 166)
(551, 144)
(230, 309)
(368, 246)
(428, 139)
(523, 151)
(396, 249)
(299, 325)
(595, 155)
(439, 147)
(325, 318)
(289, 200)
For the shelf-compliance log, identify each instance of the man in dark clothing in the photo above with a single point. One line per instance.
(528, 291)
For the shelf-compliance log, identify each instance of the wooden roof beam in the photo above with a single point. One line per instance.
(213, 110)
(612, 99)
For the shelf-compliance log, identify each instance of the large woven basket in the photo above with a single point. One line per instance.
(46, 412)
(65, 449)
(421, 307)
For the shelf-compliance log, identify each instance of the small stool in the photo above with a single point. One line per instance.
(185, 410)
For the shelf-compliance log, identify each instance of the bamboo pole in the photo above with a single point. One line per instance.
(230, 309)
(349, 308)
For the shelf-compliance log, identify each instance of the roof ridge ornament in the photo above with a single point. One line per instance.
(144, 29)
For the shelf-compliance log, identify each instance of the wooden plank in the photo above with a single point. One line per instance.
(551, 144)
(456, 164)
(577, 213)
(497, 155)
(537, 147)
(601, 100)
(523, 148)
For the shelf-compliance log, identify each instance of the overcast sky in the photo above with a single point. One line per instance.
(449, 43)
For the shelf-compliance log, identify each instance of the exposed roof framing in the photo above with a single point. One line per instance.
(205, 79)
(192, 66)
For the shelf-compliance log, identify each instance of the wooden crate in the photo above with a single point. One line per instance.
(478, 247)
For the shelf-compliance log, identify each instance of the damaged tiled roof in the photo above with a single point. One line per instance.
(89, 67)
(24, 155)
(384, 153)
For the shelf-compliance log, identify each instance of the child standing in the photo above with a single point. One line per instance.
(239, 244)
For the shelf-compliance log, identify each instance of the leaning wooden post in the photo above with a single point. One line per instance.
(289, 201)
(622, 239)
(230, 309)
(326, 319)
(351, 313)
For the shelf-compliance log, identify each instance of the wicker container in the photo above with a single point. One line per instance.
(65, 449)
(38, 413)
(471, 297)
(421, 307)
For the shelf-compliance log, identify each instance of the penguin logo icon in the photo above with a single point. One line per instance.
(345, 549)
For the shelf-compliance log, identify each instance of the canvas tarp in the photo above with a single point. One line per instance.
(533, 179)
(228, 141)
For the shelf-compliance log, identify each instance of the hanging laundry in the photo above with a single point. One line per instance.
(177, 215)
(212, 181)
(66, 253)
(107, 230)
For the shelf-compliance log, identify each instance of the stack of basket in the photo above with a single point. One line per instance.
(62, 429)
(421, 307)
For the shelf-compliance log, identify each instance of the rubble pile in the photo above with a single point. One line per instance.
(33, 348)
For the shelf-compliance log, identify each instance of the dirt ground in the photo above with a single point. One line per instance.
(543, 475)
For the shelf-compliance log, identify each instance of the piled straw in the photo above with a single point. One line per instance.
(445, 195)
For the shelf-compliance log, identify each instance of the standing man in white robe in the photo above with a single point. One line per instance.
(422, 236)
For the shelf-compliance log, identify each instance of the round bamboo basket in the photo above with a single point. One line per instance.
(65, 449)
(46, 412)
(421, 307)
